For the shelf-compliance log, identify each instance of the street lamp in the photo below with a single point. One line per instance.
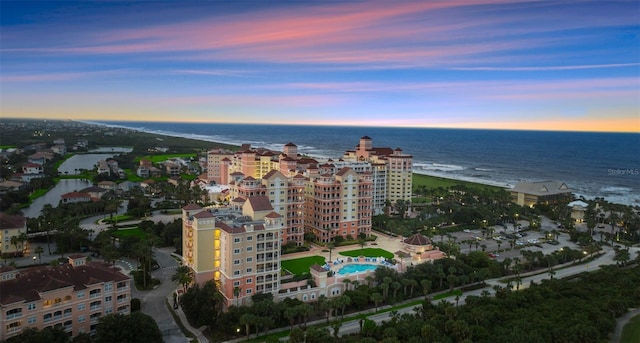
(34, 260)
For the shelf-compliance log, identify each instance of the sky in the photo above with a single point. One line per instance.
(529, 65)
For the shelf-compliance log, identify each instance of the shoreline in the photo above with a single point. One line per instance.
(204, 139)
(437, 174)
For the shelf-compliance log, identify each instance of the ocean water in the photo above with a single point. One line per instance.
(593, 164)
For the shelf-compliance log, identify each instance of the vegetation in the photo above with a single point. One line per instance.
(301, 265)
(631, 331)
(135, 327)
(368, 252)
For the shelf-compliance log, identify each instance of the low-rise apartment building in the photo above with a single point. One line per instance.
(11, 226)
(72, 296)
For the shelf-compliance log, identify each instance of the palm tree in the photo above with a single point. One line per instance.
(290, 313)
(22, 237)
(377, 299)
(305, 310)
(426, 287)
(236, 293)
(183, 276)
(330, 246)
(247, 319)
(346, 281)
(14, 241)
(39, 251)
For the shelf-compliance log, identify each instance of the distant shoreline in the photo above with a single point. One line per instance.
(414, 171)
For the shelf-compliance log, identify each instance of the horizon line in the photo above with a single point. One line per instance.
(98, 121)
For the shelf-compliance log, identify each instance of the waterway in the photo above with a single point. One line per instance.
(71, 166)
(53, 196)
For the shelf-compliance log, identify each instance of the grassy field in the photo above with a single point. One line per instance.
(435, 182)
(300, 266)
(133, 232)
(162, 158)
(631, 331)
(368, 252)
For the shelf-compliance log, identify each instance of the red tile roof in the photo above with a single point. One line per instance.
(203, 214)
(8, 221)
(273, 215)
(418, 239)
(191, 207)
(31, 283)
(75, 195)
(260, 203)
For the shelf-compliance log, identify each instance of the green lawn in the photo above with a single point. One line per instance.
(367, 252)
(299, 266)
(133, 232)
(631, 331)
(435, 182)
(164, 157)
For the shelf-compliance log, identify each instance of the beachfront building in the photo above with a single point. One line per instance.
(391, 170)
(542, 192)
(240, 251)
(72, 296)
(578, 210)
(12, 226)
(338, 203)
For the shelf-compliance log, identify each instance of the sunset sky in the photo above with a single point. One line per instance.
(549, 65)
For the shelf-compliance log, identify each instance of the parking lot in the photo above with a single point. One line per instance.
(525, 240)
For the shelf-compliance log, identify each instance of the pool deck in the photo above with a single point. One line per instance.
(388, 243)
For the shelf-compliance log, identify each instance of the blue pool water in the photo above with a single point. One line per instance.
(356, 268)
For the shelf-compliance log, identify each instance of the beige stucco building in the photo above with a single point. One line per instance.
(72, 296)
(11, 226)
(542, 192)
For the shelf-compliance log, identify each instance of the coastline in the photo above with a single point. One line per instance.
(476, 173)
(209, 139)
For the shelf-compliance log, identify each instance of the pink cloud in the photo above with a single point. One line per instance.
(347, 33)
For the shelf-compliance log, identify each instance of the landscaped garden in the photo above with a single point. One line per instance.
(368, 252)
(299, 266)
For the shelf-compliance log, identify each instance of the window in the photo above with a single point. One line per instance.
(249, 238)
(80, 319)
(236, 283)
(236, 272)
(80, 307)
(32, 320)
(108, 299)
(108, 287)
(47, 317)
(249, 259)
(14, 313)
(249, 291)
(31, 307)
(249, 280)
(236, 251)
(236, 240)
(249, 249)
(236, 262)
(249, 270)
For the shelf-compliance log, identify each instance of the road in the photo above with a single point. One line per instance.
(353, 326)
(153, 301)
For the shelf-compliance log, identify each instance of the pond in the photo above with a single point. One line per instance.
(53, 196)
(73, 165)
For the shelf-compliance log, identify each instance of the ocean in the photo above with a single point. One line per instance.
(593, 164)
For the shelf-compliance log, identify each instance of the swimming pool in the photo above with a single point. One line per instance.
(356, 268)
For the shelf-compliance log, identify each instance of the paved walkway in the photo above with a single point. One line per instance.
(621, 322)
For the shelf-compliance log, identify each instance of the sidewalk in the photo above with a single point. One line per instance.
(200, 337)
